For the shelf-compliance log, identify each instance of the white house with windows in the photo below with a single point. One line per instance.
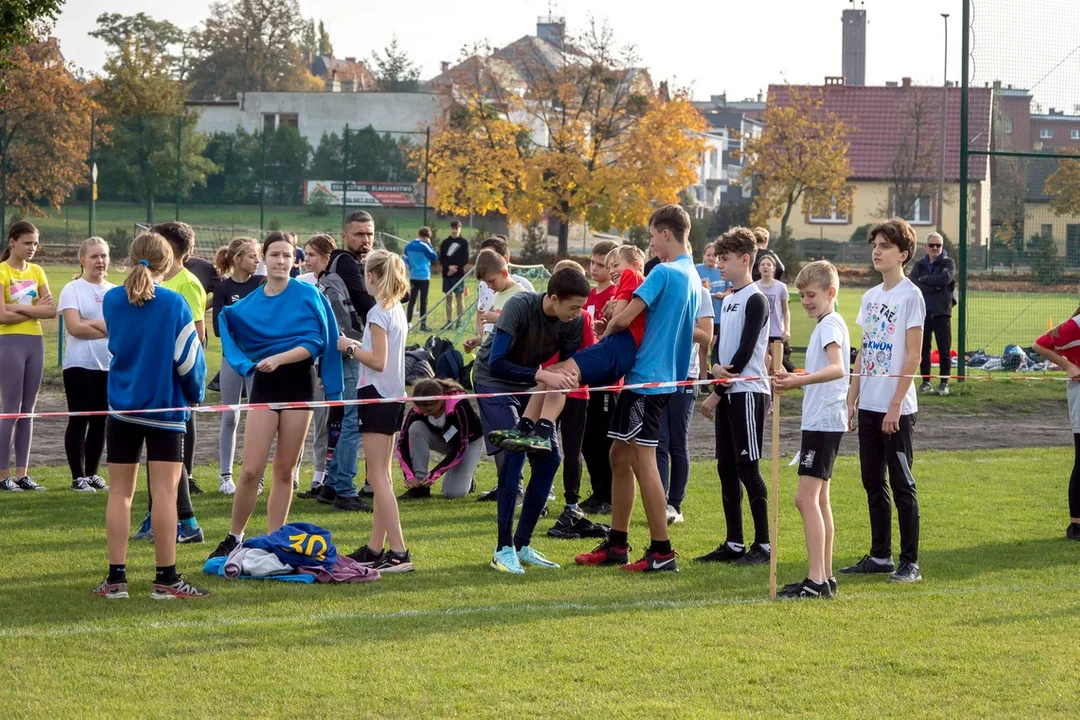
(881, 146)
(720, 172)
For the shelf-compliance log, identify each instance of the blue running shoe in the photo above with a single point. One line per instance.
(145, 531)
(188, 537)
(528, 556)
(506, 560)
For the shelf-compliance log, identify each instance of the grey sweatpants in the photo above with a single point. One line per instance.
(22, 359)
(322, 433)
(231, 383)
(458, 480)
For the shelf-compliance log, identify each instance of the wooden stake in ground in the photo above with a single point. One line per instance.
(774, 491)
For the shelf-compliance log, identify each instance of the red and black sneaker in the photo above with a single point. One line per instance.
(654, 562)
(605, 554)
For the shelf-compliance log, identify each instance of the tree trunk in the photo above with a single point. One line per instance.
(564, 239)
(150, 207)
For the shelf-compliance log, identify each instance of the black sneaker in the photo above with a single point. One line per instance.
(366, 557)
(193, 487)
(391, 562)
(832, 585)
(225, 547)
(867, 566)
(29, 485)
(723, 554)
(806, 590)
(366, 491)
(312, 494)
(756, 555)
(490, 496)
(908, 572)
(350, 504)
(326, 495)
(8, 484)
(1072, 532)
(566, 527)
(416, 493)
(81, 485)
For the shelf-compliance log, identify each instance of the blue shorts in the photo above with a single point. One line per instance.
(608, 360)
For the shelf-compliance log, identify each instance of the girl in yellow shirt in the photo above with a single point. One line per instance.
(27, 301)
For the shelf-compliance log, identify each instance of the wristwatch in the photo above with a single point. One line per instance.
(350, 350)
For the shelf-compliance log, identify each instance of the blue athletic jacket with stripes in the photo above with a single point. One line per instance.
(157, 361)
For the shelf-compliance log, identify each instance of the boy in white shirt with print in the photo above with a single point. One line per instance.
(891, 317)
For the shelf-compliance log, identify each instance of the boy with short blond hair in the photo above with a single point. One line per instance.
(824, 422)
(891, 317)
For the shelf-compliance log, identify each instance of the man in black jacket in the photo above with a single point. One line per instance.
(339, 489)
(935, 274)
(453, 256)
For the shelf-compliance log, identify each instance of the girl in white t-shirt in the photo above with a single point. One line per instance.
(382, 375)
(86, 364)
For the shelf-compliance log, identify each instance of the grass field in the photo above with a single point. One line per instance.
(985, 634)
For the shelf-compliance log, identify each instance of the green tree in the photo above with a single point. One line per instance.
(250, 45)
(22, 22)
(238, 158)
(371, 157)
(145, 105)
(394, 71)
(287, 154)
(159, 36)
(325, 47)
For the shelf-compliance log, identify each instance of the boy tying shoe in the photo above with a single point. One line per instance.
(670, 298)
(824, 422)
(531, 328)
(601, 364)
(739, 406)
(891, 317)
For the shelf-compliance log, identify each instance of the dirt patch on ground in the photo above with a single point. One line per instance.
(1043, 425)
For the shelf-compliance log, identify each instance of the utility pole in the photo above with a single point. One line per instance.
(427, 158)
(179, 162)
(93, 175)
(944, 125)
(345, 179)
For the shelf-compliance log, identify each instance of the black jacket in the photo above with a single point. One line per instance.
(352, 273)
(459, 257)
(937, 282)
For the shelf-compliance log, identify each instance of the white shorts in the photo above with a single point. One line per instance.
(1072, 390)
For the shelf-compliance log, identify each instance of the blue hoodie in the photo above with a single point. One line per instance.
(261, 325)
(157, 361)
(418, 256)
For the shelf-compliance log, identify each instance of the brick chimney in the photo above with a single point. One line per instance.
(905, 82)
(445, 66)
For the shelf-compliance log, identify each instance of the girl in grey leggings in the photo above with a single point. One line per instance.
(26, 302)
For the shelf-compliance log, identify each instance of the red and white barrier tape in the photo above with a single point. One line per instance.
(472, 396)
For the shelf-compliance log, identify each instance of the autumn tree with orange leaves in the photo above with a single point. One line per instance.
(577, 133)
(48, 114)
(800, 157)
(1063, 186)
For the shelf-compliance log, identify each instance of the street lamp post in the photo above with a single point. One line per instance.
(944, 126)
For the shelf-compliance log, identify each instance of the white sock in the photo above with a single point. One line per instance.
(738, 547)
(239, 538)
(767, 547)
(882, 561)
(317, 478)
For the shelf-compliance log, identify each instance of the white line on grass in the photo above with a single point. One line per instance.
(292, 619)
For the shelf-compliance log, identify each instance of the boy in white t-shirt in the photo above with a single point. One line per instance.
(891, 317)
(824, 422)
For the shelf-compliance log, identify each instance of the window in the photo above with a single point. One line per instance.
(1007, 124)
(1046, 134)
(920, 211)
(292, 120)
(1047, 231)
(1074, 134)
(825, 215)
(269, 123)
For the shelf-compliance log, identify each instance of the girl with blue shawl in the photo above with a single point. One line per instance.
(276, 335)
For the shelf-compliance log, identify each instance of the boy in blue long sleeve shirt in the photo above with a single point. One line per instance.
(419, 254)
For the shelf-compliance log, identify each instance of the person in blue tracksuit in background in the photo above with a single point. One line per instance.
(276, 335)
(157, 362)
(419, 254)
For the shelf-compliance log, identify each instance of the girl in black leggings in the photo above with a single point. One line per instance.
(86, 364)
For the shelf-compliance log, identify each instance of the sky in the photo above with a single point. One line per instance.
(709, 47)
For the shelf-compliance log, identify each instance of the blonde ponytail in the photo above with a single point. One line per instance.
(225, 257)
(150, 255)
(391, 277)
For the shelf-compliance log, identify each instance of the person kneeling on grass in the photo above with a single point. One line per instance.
(824, 422)
(1061, 346)
(449, 426)
(604, 363)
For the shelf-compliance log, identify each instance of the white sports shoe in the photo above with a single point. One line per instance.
(673, 515)
(227, 487)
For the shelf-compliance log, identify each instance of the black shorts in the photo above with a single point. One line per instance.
(294, 382)
(637, 418)
(449, 284)
(126, 441)
(818, 453)
(382, 418)
(740, 421)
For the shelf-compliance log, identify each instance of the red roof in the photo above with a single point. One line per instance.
(880, 118)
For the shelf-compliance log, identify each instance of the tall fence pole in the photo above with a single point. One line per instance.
(262, 183)
(179, 159)
(93, 179)
(961, 325)
(3, 170)
(427, 156)
(345, 176)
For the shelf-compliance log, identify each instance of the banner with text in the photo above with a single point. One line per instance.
(374, 194)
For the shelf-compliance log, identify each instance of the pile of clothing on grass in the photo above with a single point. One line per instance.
(297, 552)
(1015, 358)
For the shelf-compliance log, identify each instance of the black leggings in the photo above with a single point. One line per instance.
(940, 328)
(184, 509)
(419, 287)
(572, 425)
(84, 438)
(1074, 481)
(733, 476)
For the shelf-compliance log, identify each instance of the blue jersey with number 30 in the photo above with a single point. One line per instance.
(298, 544)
